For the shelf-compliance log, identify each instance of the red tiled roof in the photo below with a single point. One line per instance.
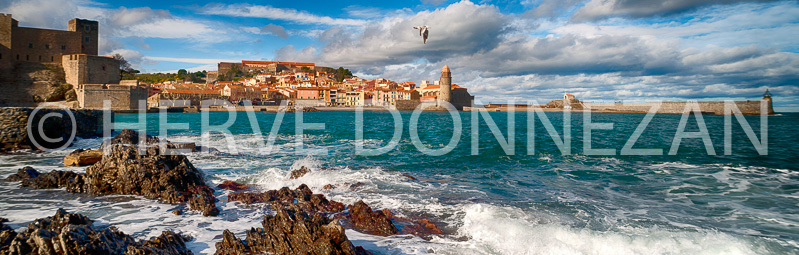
(191, 91)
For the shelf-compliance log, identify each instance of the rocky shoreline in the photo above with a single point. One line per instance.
(70, 233)
(303, 223)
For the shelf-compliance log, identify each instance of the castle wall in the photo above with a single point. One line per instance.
(84, 69)
(92, 96)
(407, 105)
(43, 45)
(749, 107)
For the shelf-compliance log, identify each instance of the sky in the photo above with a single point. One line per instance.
(503, 51)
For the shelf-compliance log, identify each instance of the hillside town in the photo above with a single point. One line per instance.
(270, 82)
(44, 65)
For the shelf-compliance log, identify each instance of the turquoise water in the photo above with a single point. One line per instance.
(490, 202)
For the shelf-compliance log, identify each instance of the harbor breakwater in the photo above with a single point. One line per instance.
(749, 107)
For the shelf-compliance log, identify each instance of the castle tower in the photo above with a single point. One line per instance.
(445, 85)
(89, 30)
(7, 24)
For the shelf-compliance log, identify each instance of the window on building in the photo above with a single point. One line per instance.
(30, 45)
(87, 28)
(103, 68)
(17, 56)
(47, 46)
(86, 39)
(40, 58)
(1, 55)
(52, 58)
(27, 57)
(63, 47)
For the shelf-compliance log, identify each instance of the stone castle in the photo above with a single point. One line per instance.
(24, 44)
(75, 51)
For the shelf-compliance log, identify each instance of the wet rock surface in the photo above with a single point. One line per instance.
(372, 222)
(7, 234)
(299, 172)
(360, 216)
(409, 177)
(81, 157)
(70, 233)
(231, 185)
(291, 232)
(153, 171)
(302, 199)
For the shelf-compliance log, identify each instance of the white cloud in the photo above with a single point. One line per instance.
(126, 17)
(269, 12)
(167, 28)
(394, 41)
(191, 60)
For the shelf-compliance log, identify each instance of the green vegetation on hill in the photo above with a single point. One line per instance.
(182, 75)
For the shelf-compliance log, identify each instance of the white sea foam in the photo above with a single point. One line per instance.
(502, 230)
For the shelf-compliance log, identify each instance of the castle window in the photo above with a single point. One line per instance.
(87, 28)
(103, 68)
(17, 56)
(30, 45)
(27, 57)
(86, 39)
(51, 59)
(47, 46)
(40, 57)
(63, 47)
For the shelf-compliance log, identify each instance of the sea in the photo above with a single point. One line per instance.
(714, 193)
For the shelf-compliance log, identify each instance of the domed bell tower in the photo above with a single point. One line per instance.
(445, 85)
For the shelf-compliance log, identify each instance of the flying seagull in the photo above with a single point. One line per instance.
(423, 32)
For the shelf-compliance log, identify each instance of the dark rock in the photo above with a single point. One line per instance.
(291, 232)
(167, 243)
(152, 171)
(230, 245)
(177, 212)
(231, 185)
(69, 233)
(357, 185)
(409, 177)
(130, 137)
(148, 172)
(301, 198)
(371, 222)
(329, 186)
(7, 234)
(29, 177)
(299, 172)
(418, 227)
(23, 174)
